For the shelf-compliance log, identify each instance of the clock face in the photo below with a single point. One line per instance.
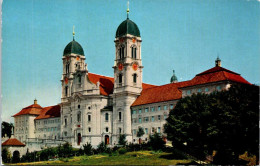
(77, 58)
(133, 40)
(120, 66)
(135, 66)
(66, 80)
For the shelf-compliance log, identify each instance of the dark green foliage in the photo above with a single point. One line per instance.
(156, 142)
(7, 129)
(48, 153)
(16, 157)
(87, 148)
(122, 150)
(6, 155)
(102, 148)
(224, 121)
(122, 139)
(67, 149)
(140, 132)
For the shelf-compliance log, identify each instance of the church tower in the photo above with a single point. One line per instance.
(127, 75)
(73, 60)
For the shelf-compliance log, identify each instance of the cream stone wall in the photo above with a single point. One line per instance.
(147, 117)
(24, 127)
(47, 128)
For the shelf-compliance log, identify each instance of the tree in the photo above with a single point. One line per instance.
(122, 139)
(6, 155)
(156, 141)
(7, 129)
(224, 121)
(87, 148)
(16, 157)
(102, 147)
(140, 133)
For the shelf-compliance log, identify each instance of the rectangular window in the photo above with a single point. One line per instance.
(159, 108)
(165, 107)
(159, 129)
(152, 119)
(159, 117)
(146, 119)
(171, 106)
(140, 120)
(89, 129)
(134, 112)
(146, 130)
(165, 116)
(134, 131)
(89, 118)
(188, 92)
(146, 109)
(152, 109)
(140, 111)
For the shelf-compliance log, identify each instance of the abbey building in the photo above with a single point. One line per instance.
(96, 108)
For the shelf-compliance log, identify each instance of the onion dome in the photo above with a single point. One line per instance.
(73, 47)
(174, 78)
(127, 27)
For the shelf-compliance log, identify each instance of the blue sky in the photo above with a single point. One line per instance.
(184, 35)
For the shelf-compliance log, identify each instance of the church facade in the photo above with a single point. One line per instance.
(96, 108)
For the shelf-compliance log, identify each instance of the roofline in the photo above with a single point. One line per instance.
(154, 102)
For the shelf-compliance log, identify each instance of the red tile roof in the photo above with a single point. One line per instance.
(12, 142)
(173, 91)
(160, 93)
(49, 112)
(107, 83)
(216, 74)
(33, 109)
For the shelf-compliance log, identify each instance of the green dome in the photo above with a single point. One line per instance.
(174, 78)
(127, 27)
(73, 47)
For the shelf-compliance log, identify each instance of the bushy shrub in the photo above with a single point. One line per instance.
(102, 147)
(16, 157)
(122, 139)
(156, 142)
(6, 155)
(87, 148)
(122, 150)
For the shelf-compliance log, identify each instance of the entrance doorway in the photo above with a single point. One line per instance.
(79, 138)
(106, 139)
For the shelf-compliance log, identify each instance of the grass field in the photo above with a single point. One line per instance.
(130, 158)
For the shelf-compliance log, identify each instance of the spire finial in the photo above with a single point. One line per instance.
(218, 62)
(127, 11)
(73, 33)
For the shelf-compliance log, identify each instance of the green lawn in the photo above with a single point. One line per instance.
(130, 158)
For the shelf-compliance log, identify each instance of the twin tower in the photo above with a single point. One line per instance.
(84, 113)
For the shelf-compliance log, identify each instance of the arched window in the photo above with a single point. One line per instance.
(65, 121)
(122, 52)
(119, 130)
(119, 116)
(106, 116)
(134, 78)
(133, 52)
(79, 77)
(66, 91)
(79, 116)
(120, 78)
(67, 68)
